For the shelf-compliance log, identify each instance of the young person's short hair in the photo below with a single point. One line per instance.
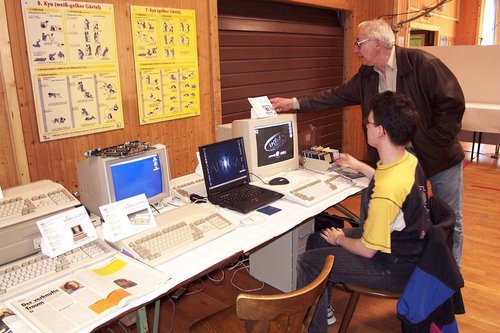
(396, 113)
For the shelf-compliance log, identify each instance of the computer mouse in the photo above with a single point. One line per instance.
(278, 181)
(252, 219)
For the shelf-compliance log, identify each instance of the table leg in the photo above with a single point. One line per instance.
(497, 148)
(473, 145)
(479, 144)
(142, 320)
(157, 316)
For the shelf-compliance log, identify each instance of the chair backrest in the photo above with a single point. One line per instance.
(292, 311)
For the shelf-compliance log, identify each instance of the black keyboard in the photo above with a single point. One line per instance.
(243, 193)
(247, 198)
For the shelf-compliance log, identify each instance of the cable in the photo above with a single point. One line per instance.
(241, 265)
(215, 280)
(173, 315)
(262, 180)
(199, 281)
(240, 288)
(156, 209)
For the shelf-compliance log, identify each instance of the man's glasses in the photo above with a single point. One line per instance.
(358, 43)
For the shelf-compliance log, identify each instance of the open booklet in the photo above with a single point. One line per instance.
(75, 302)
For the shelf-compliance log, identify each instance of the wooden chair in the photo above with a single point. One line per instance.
(356, 292)
(442, 217)
(287, 312)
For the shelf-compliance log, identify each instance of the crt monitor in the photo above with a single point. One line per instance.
(102, 180)
(271, 144)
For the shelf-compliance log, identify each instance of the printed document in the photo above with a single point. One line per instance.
(73, 303)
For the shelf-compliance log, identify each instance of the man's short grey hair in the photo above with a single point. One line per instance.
(378, 29)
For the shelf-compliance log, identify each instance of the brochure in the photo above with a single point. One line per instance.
(75, 302)
(126, 217)
(261, 107)
(66, 231)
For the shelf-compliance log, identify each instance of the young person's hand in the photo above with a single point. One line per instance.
(331, 235)
(346, 160)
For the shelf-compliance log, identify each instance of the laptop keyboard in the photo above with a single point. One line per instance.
(243, 194)
(247, 198)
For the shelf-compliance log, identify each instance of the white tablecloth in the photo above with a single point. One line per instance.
(479, 117)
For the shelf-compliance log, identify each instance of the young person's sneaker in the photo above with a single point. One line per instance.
(330, 315)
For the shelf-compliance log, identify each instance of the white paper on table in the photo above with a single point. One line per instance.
(126, 217)
(66, 231)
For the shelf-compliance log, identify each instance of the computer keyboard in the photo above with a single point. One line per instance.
(309, 190)
(184, 186)
(316, 190)
(34, 200)
(177, 231)
(245, 193)
(33, 271)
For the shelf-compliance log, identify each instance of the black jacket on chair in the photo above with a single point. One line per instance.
(432, 296)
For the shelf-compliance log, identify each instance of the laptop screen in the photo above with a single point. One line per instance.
(224, 165)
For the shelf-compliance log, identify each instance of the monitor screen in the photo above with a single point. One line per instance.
(102, 180)
(271, 144)
(224, 164)
(274, 143)
(137, 176)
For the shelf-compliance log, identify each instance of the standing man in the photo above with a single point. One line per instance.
(435, 91)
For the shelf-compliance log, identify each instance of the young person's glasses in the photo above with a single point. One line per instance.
(366, 122)
(358, 43)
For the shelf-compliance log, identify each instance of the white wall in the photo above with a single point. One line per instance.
(477, 68)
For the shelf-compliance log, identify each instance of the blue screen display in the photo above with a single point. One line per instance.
(224, 162)
(133, 177)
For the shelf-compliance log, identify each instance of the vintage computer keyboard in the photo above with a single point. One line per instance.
(177, 231)
(183, 187)
(309, 190)
(315, 190)
(34, 200)
(33, 271)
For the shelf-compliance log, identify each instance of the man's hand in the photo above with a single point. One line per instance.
(281, 104)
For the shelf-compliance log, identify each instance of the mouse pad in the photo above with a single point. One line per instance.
(269, 210)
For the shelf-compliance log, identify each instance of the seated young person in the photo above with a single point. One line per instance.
(383, 252)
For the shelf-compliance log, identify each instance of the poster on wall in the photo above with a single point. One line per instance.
(166, 63)
(74, 68)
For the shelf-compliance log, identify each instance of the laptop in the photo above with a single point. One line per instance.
(227, 179)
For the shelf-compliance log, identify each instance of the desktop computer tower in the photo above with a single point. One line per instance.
(275, 263)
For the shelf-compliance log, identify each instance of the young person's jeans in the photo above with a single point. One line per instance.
(347, 268)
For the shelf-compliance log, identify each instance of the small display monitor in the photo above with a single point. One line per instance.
(224, 165)
(103, 180)
(271, 144)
